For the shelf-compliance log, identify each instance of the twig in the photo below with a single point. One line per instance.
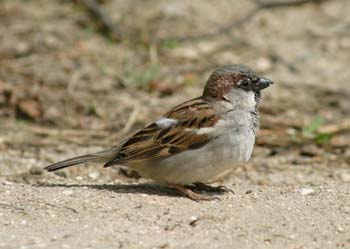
(283, 3)
(219, 31)
(64, 206)
(131, 120)
(260, 5)
(67, 132)
(108, 28)
(73, 81)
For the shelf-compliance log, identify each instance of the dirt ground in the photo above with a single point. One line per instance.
(66, 89)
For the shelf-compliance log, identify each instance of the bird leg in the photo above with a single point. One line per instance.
(192, 195)
(204, 187)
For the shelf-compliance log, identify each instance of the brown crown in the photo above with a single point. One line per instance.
(223, 79)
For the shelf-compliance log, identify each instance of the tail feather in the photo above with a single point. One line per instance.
(103, 156)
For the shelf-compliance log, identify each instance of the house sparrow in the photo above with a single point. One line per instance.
(195, 141)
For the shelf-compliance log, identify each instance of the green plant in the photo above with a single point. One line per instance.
(311, 131)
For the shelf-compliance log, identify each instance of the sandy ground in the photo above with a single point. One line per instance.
(70, 215)
(66, 90)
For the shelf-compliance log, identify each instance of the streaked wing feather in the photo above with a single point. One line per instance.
(155, 142)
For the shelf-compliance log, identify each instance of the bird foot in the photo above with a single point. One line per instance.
(187, 192)
(204, 187)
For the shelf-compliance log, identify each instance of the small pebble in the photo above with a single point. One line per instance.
(7, 183)
(94, 175)
(340, 229)
(193, 221)
(292, 236)
(68, 192)
(79, 178)
(344, 176)
(306, 191)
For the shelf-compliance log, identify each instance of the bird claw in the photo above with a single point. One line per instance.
(187, 192)
(207, 188)
(224, 189)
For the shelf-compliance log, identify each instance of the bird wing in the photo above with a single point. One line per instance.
(186, 127)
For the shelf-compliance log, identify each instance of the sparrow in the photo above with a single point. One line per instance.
(196, 141)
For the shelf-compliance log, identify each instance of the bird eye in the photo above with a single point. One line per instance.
(246, 82)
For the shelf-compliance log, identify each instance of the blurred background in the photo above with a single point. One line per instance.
(78, 76)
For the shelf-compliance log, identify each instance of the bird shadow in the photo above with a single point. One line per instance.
(141, 188)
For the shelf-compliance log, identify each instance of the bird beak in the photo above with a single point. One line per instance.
(263, 83)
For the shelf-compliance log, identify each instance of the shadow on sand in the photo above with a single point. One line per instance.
(141, 188)
(145, 188)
